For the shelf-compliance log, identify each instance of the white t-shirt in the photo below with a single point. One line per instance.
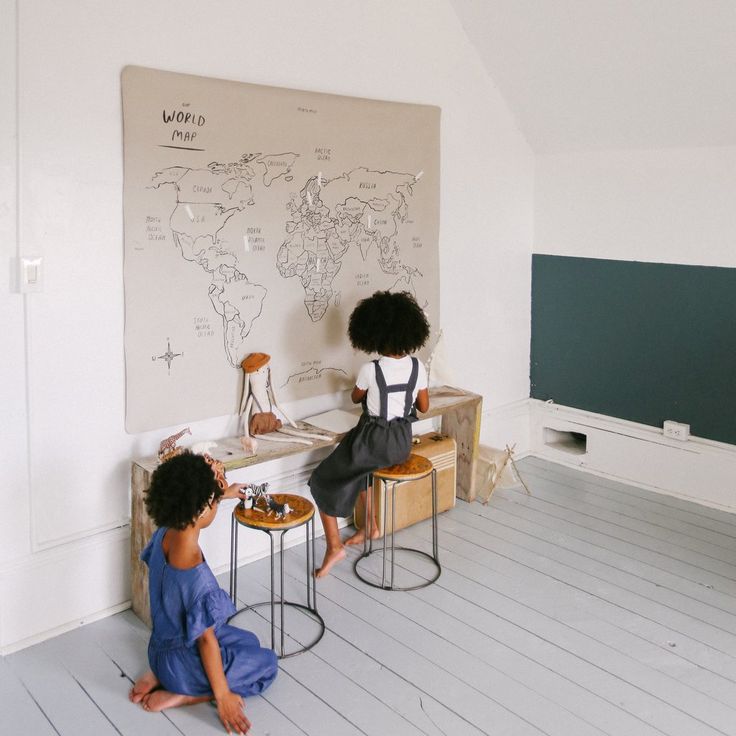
(395, 370)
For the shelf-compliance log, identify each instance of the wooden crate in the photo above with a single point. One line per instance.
(414, 498)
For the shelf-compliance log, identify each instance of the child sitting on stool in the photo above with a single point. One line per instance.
(193, 653)
(394, 326)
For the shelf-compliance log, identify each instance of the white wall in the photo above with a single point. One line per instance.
(63, 533)
(665, 206)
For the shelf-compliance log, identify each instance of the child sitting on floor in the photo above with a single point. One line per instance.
(193, 653)
(392, 325)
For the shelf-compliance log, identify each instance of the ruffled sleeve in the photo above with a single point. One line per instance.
(212, 608)
(148, 550)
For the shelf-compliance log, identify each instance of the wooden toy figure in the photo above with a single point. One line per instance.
(258, 393)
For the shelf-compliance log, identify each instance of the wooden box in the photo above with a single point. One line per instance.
(414, 498)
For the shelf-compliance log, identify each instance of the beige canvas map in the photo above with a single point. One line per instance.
(255, 219)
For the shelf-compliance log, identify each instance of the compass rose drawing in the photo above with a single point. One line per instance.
(168, 356)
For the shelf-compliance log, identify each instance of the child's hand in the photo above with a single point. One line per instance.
(231, 709)
(235, 490)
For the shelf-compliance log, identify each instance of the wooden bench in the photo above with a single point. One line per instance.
(460, 411)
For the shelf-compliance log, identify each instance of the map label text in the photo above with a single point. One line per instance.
(183, 118)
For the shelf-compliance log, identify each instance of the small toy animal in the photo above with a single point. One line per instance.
(280, 509)
(168, 447)
(258, 495)
(202, 448)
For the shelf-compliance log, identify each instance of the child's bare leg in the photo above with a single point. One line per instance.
(143, 685)
(335, 551)
(359, 536)
(159, 700)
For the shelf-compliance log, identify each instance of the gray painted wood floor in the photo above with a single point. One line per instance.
(589, 607)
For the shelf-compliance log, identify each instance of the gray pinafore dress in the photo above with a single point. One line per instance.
(373, 443)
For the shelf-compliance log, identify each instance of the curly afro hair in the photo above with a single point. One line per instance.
(388, 323)
(181, 488)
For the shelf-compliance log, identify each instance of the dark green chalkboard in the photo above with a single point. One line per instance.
(638, 341)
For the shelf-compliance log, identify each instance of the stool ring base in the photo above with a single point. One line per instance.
(387, 586)
(415, 468)
(310, 612)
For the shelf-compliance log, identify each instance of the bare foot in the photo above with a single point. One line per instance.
(159, 700)
(143, 685)
(359, 536)
(332, 557)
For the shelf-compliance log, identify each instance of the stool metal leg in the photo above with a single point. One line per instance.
(309, 559)
(385, 529)
(281, 588)
(435, 551)
(273, 604)
(393, 530)
(311, 571)
(368, 513)
(233, 559)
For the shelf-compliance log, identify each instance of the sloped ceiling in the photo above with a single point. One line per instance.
(611, 74)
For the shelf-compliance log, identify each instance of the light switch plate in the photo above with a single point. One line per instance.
(30, 274)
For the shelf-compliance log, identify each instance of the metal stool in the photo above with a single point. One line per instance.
(415, 468)
(302, 513)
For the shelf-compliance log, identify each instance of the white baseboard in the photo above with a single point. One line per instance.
(698, 470)
(62, 629)
(507, 425)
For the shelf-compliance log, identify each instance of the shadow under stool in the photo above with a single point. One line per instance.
(301, 514)
(390, 479)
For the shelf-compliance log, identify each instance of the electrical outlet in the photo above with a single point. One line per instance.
(676, 430)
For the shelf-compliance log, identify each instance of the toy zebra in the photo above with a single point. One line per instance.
(258, 495)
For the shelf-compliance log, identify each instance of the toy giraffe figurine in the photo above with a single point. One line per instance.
(168, 447)
(258, 392)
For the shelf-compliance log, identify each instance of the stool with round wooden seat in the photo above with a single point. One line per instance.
(391, 478)
(301, 514)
